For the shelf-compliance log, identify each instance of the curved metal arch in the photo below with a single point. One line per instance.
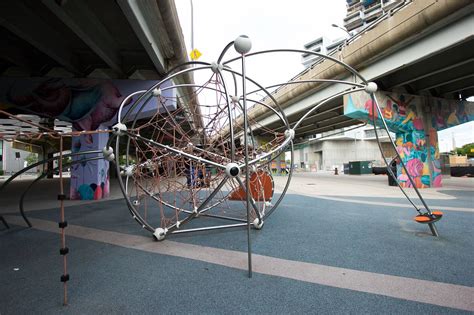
(43, 175)
(11, 178)
(302, 51)
(264, 90)
(309, 81)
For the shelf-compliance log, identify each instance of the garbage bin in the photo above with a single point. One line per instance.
(393, 166)
(360, 167)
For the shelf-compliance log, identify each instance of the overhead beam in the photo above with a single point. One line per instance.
(37, 33)
(447, 81)
(459, 89)
(15, 56)
(84, 23)
(138, 15)
(312, 116)
(347, 123)
(328, 122)
(323, 123)
(439, 69)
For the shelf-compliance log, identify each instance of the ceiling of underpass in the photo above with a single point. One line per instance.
(106, 39)
(68, 39)
(448, 74)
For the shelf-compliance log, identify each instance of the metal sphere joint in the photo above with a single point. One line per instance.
(232, 170)
(242, 44)
(258, 223)
(156, 92)
(159, 234)
(110, 157)
(215, 67)
(129, 170)
(119, 129)
(290, 133)
(106, 151)
(371, 87)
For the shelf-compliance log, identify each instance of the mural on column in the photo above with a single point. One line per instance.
(89, 180)
(416, 138)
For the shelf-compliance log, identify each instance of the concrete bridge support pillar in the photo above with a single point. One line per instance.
(420, 154)
(415, 121)
(89, 180)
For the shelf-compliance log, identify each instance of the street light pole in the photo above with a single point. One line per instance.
(355, 145)
(341, 28)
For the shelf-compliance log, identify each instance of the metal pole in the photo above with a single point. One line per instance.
(192, 25)
(62, 215)
(246, 158)
(209, 228)
(433, 229)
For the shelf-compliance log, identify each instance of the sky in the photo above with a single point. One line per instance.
(458, 136)
(272, 24)
(269, 25)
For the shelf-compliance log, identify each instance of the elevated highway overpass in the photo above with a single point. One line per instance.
(420, 54)
(421, 48)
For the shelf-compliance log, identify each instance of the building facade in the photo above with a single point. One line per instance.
(360, 13)
(322, 45)
(12, 160)
(332, 150)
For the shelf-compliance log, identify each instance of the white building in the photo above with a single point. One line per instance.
(12, 160)
(321, 45)
(360, 13)
(336, 148)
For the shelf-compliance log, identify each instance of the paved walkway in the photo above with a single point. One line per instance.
(372, 189)
(334, 246)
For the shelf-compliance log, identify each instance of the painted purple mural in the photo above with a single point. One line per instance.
(415, 121)
(89, 104)
(84, 102)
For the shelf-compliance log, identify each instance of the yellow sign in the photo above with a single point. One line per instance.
(195, 54)
(472, 150)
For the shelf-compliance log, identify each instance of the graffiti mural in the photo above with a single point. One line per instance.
(86, 103)
(89, 180)
(416, 132)
(89, 104)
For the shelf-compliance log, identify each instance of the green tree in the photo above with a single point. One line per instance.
(467, 149)
(31, 158)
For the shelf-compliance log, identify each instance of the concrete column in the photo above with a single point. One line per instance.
(48, 151)
(415, 120)
(417, 144)
(89, 180)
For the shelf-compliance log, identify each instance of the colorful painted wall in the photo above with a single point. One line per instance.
(89, 180)
(88, 104)
(415, 121)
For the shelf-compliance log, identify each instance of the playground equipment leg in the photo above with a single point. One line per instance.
(4, 221)
(433, 229)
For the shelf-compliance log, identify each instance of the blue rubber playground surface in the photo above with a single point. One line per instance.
(116, 267)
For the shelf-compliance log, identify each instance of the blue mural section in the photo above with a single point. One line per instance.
(415, 121)
(89, 180)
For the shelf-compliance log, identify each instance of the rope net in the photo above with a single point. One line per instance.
(173, 169)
